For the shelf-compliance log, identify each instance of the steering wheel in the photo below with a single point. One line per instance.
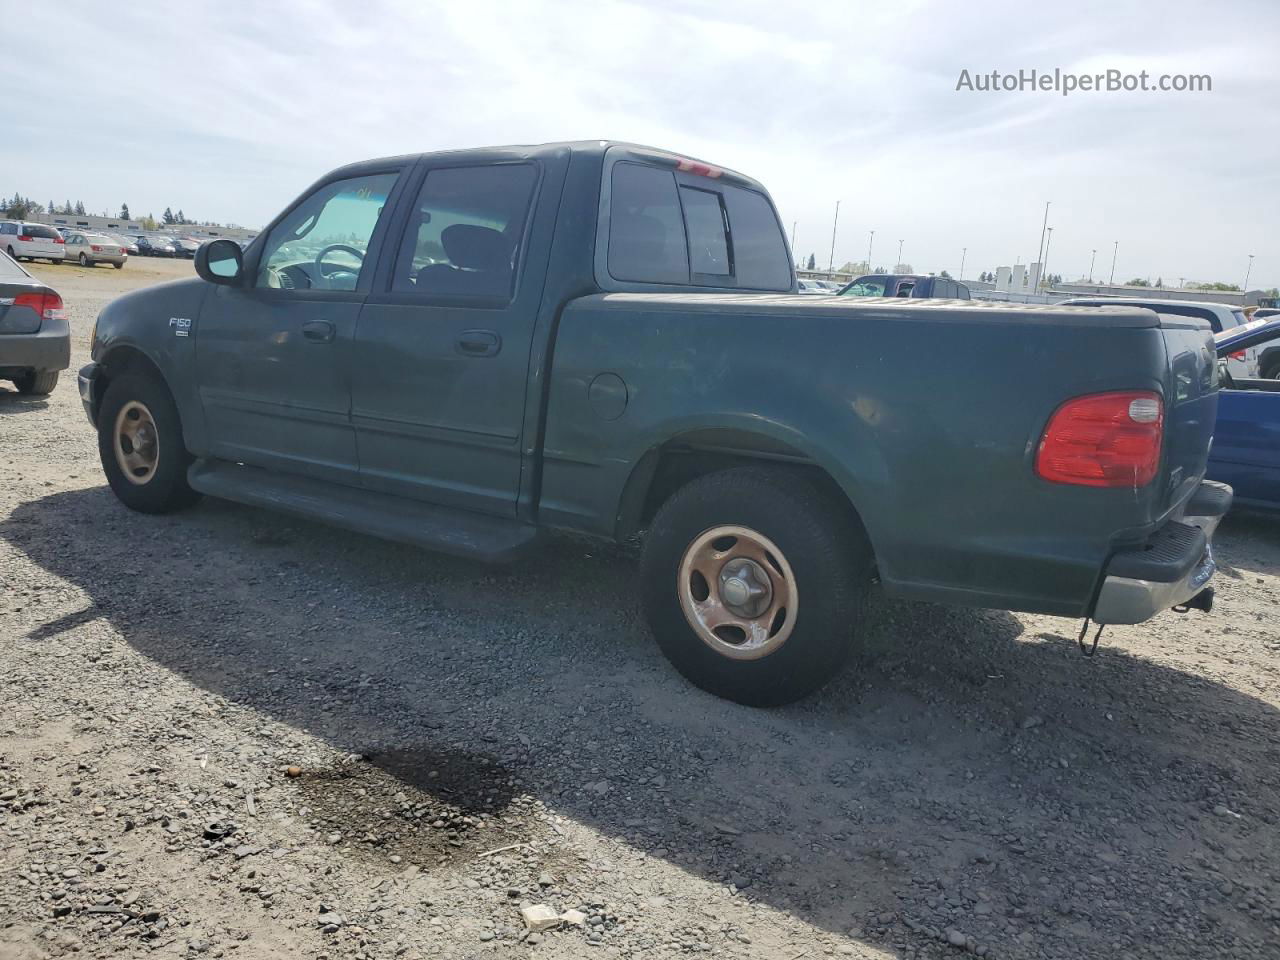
(357, 253)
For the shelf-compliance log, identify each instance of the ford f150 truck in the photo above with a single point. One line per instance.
(461, 349)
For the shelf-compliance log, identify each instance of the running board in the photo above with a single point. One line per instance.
(442, 529)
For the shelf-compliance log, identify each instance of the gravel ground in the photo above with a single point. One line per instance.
(228, 733)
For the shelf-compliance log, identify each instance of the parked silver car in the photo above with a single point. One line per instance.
(91, 249)
(31, 241)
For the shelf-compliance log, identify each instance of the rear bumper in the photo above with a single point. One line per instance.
(47, 349)
(1171, 568)
(87, 382)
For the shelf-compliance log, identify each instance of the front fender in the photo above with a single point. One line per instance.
(159, 324)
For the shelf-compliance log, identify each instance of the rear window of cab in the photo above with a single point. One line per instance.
(662, 230)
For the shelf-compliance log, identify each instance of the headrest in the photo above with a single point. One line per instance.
(475, 248)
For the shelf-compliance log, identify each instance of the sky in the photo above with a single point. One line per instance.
(229, 110)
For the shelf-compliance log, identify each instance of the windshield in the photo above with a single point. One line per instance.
(865, 287)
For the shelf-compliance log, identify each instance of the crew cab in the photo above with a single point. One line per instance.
(461, 350)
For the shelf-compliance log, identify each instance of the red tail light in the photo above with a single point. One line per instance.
(1238, 355)
(701, 169)
(48, 305)
(95, 248)
(59, 240)
(25, 238)
(1104, 440)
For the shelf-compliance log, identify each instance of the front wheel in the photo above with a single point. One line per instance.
(141, 445)
(84, 261)
(754, 582)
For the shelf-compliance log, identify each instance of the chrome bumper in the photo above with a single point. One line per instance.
(1134, 599)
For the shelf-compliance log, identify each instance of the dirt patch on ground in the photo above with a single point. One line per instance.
(417, 806)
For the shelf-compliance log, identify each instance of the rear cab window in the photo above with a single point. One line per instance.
(669, 227)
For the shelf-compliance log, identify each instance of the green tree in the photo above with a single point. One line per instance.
(149, 222)
(80, 211)
(1137, 282)
(124, 212)
(813, 260)
(168, 215)
(945, 275)
(182, 217)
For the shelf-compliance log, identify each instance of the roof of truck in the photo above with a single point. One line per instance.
(532, 151)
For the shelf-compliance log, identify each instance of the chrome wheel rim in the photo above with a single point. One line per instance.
(738, 592)
(137, 442)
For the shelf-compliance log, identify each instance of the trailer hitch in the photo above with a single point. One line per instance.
(1086, 648)
(1202, 601)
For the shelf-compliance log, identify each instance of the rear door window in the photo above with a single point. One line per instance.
(646, 229)
(41, 232)
(464, 236)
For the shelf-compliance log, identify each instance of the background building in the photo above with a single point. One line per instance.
(134, 226)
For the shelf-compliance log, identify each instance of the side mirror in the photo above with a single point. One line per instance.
(220, 261)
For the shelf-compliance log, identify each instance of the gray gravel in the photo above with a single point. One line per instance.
(227, 733)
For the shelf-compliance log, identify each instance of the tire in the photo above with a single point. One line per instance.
(38, 383)
(9, 251)
(84, 261)
(1271, 371)
(824, 558)
(118, 266)
(155, 484)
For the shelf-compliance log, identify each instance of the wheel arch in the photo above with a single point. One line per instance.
(670, 464)
(121, 359)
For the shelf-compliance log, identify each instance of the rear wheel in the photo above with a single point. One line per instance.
(1271, 371)
(141, 445)
(753, 583)
(37, 382)
(118, 266)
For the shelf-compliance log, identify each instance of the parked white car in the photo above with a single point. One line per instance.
(31, 241)
(91, 249)
(1242, 365)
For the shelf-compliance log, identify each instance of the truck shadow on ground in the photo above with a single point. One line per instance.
(12, 403)
(964, 774)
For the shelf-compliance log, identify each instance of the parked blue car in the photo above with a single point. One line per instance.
(1246, 442)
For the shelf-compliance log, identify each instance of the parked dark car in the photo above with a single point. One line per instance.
(460, 350)
(185, 246)
(35, 340)
(155, 247)
(1246, 441)
(905, 285)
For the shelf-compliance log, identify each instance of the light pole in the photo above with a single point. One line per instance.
(900, 243)
(1092, 258)
(1043, 227)
(870, 244)
(1245, 288)
(1114, 254)
(1044, 267)
(963, 253)
(831, 261)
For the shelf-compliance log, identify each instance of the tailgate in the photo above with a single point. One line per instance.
(1192, 404)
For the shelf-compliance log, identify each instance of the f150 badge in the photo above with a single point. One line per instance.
(181, 326)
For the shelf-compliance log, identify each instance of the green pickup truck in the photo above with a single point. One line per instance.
(462, 349)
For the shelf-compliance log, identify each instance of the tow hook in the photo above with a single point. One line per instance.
(1202, 601)
(1086, 648)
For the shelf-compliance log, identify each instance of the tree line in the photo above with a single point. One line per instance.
(19, 207)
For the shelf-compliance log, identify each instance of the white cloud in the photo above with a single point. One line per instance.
(229, 111)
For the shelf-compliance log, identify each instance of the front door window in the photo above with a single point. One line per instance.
(322, 243)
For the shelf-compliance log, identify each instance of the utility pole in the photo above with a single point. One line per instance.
(1245, 288)
(1044, 277)
(900, 243)
(870, 244)
(963, 253)
(831, 261)
(1040, 249)
(1091, 260)
(1114, 254)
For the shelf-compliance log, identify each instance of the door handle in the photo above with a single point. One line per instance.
(478, 343)
(321, 331)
